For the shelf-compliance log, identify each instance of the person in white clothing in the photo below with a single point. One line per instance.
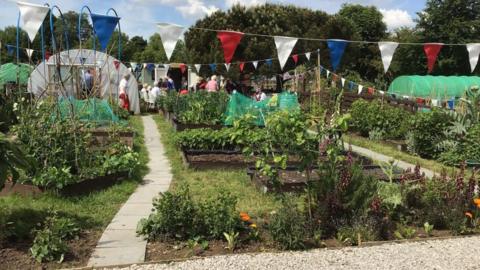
(155, 92)
(259, 94)
(144, 92)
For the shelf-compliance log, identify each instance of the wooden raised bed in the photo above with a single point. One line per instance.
(102, 137)
(178, 126)
(292, 180)
(83, 187)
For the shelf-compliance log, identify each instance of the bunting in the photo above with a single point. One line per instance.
(337, 48)
(103, 26)
(227, 66)
(29, 53)
(197, 67)
(284, 48)
(343, 82)
(360, 89)
(269, 62)
(255, 64)
(241, 66)
(473, 54)
(387, 49)
(295, 58)
(229, 42)
(32, 16)
(431, 51)
(170, 34)
(308, 54)
(167, 67)
(213, 67)
(133, 65)
(10, 49)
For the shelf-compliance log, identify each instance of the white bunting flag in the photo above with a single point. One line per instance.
(473, 53)
(360, 88)
(32, 16)
(308, 55)
(167, 67)
(145, 65)
(343, 82)
(227, 66)
(284, 48)
(255, 64)
(170, 34)
(197, 67)
(29, 53)
(387, 49)
(133, 65)
(328, 73)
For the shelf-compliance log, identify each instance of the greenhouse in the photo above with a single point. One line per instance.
(435, 87)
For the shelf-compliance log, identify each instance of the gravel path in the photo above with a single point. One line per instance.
(459, 253)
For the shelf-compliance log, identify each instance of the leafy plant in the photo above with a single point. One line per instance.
(219, 214)
(404, 232)
(49, 243)
(54, 177)
(12, 158)
(355, 235)
(287, 227)
(428, 228)
(232, 240)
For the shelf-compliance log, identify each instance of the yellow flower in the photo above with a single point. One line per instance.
(468, 214)
(253, 226)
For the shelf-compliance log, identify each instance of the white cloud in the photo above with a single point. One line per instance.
(396, 18)
(194, 8)
(247, 3)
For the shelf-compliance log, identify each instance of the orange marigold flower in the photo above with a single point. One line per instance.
(477, 202)
(468, 214)
(244, 216)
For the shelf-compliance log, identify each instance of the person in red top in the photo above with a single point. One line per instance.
(124, 102)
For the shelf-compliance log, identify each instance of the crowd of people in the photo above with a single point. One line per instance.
(150, 93)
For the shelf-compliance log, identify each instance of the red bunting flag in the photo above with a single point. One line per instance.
(116, 63)
(241, 66)
(47, 55)
(183, 68)
(431, 51)
(229, 42)
(295, 58)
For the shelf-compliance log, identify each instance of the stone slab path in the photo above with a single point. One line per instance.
(119, 243)
(383, 158)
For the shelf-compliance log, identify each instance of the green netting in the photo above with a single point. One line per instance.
(239, 105)
(91, 110)
(10, 71)
(435, 87)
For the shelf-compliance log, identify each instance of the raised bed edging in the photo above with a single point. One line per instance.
(178, 126)
(102, 137)
(79, 188)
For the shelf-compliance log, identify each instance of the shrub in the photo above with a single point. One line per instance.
(177, 216)
(205, 139)
(49, 243)
(427, 132)
(379, 120)
(287, 227)
(355, 234)
(219, 215)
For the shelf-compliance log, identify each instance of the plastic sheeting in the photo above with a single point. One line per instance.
(45, 80)
(435, 87)
(10, 71)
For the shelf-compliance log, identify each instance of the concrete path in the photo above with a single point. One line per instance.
(379, 157)
(119, 243)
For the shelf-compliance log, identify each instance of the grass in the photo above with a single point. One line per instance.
(391, 151)
(93, 211)
(207, 183)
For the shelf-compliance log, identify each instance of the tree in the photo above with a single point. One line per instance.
(451, 21)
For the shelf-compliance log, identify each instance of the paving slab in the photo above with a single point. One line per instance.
(119, 243)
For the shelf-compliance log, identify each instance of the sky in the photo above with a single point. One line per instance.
(138, 17)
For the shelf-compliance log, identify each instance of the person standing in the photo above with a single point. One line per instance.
(259, 94)
(212, 85)
(124, 102)
(170, 84)
(87, 83)
(144, 92)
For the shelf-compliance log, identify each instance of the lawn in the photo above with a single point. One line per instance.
(92, 212)
(205, 183)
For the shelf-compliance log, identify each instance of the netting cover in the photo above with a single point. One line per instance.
(435, 87)
(92, 110)
(239, 105)
(9, 72)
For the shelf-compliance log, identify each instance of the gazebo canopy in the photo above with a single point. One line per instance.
(437, 87)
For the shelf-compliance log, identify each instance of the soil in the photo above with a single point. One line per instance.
(208, 161)
(16, 255)
(175, 251)
(165, 251)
